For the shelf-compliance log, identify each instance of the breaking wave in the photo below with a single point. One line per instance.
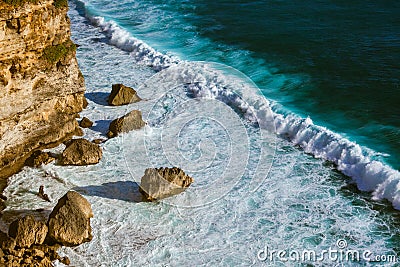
(350, 158)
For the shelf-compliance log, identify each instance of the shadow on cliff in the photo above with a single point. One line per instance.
(121, 190)
(99, 98)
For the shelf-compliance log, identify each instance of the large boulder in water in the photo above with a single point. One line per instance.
(160, 183)
(122, 95)
(131, 121)
(27, 232)
(69, 222)
(81, 152)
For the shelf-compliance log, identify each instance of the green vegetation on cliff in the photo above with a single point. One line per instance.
(53, 54)
(60, 3)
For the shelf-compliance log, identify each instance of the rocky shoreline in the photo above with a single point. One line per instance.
(35, 243)
(41, 95)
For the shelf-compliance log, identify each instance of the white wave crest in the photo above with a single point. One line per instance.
(350, 158)
(139, 50)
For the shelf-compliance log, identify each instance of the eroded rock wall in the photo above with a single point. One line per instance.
(41, 86)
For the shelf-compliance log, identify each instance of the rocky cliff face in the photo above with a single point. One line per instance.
(41, 86)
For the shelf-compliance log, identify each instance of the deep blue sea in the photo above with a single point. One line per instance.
(325, 74)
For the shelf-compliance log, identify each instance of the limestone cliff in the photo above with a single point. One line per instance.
(41, 86)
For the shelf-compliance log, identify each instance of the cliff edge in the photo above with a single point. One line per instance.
(41, 86)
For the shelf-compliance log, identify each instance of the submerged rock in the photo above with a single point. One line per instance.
(131, 121)
(85, 123)
(69, 222)
(27, 232)
(122, 95)
(160, 183)
(81, 152)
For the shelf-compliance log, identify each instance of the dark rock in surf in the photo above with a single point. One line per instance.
(122, 95)
(42, 195)
(131, 121)
(160, 183)
(81, 152)
(85, 123)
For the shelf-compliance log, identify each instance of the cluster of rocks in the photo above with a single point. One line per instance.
(156, 183)
(35, 243)
(124, 95)
(81, 152)
(78, 152)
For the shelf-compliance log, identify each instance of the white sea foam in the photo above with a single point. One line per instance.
(350, 158)
(139, 50)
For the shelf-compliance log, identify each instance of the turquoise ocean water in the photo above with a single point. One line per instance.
(329, 70)
(335, 61)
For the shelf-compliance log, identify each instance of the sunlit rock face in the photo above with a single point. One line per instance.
(41, 86)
